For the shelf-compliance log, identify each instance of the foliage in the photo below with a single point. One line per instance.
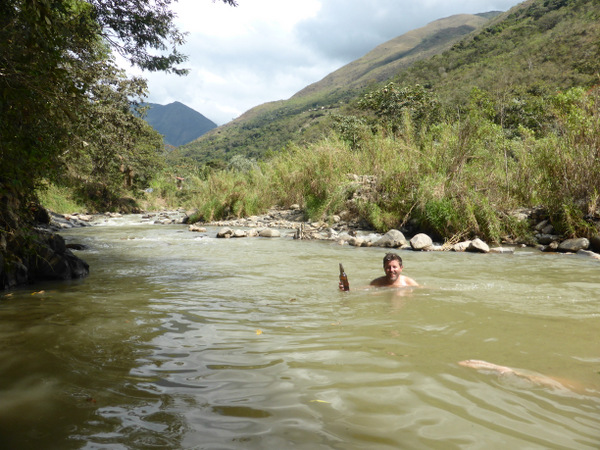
(393, 103)
(62, 101)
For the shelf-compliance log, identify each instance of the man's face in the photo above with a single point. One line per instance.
(392, 270)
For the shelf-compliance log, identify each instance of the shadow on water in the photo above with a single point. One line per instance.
(179, 340)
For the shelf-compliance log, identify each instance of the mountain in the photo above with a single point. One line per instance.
(178, 123)
(303, 117)
(537, 46)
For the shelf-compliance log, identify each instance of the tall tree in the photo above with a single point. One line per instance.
(60, 86)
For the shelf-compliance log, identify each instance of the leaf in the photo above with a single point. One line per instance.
(258, 331)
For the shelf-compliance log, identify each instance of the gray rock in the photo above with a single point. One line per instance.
(478, 246)
(239, 234)
(548, 229)
(391, 239)
(421, 241)
(225, 233)
(551, 247)
(356, 242)
(573, 245)
(546, 239)
(269, 232)
(589, 254)
(502, 250)
(461, 246)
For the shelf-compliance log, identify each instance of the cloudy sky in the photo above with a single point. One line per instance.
(266, 50)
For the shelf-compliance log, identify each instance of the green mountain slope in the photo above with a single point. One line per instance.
(178, 123)
(537, 46)
(302, 118)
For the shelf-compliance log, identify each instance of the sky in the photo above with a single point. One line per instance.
(267, 50)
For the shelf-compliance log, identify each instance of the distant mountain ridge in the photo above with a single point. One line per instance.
(178, 123)
(302, 118)
(535, 48)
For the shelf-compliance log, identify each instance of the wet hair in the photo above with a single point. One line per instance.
(391, 257)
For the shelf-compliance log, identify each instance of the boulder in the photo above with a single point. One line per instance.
(546, 239)
(239, 234)
(197, 228)
(421, 241)
(461, 246)
(224, 233)
(589, 254)
(53, 261)
(478, 246)
(573, 245)
(269, 232)
(391, 239)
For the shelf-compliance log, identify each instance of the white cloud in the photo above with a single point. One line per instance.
(266, 50)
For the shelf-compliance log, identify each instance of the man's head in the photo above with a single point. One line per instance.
(392, 265)
(391, 257)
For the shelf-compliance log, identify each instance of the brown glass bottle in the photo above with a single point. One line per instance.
(344, 279)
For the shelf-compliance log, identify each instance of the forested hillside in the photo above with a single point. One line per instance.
(538, 46)
(307, 115)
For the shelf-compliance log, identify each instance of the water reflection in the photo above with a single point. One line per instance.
(184, 341)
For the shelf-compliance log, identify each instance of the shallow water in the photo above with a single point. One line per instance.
(180, 340)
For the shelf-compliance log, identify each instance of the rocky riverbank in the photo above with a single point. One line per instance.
(353, 233)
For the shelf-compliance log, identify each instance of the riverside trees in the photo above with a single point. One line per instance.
(65, 107)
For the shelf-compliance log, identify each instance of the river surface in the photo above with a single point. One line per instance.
(179, 340)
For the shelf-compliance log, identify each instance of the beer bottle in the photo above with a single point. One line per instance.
(344, 279)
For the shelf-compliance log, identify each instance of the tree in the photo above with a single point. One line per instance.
(54, 60)
(60, 86)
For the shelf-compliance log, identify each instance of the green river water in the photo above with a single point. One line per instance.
(179, 340)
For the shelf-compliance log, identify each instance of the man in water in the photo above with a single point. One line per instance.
(392, 265)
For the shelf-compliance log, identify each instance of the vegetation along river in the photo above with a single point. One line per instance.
(179, 340)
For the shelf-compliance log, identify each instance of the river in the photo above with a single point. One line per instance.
(179, 340)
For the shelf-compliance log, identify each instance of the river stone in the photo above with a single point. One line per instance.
(239, 234)
(574, 245)
(421, 242)
(478, 246)
(546, 239)
(502, 250)
(588, 254)
(356, 241)
(269, 232)
(197, 228)
(391, 239)
(461, 246)
(551, 247)
(225, 233)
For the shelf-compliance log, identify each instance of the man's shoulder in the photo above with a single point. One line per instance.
(381, 281)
